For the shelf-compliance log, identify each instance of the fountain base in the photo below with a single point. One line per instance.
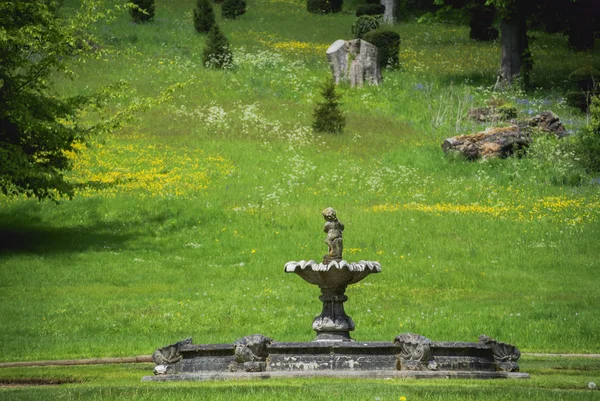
(409, 355)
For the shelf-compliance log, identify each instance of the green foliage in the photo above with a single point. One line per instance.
(586, 77)
(388, 45)
(232, 9)
(588, 144)
(318, 6)
(370, 9)
(37, 127)
(217, 53)
(526, 68)
(364, 24)
(327, 115)
(204, 16)
(507, 111)
(142, 10)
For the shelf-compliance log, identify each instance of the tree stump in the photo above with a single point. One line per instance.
(354, 61)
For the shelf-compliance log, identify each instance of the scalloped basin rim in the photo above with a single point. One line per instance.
(362, 265)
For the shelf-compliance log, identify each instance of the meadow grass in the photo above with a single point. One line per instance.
(184, 218)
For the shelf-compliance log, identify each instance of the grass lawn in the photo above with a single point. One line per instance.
(184, 219)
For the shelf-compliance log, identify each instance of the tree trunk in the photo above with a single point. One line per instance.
(354, 61)
(514, 44)
(391, 14)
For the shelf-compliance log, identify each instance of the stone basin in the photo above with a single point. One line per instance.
(332, 278)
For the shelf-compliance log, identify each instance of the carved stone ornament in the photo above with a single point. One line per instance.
(505, 355)
(171, 353)
(252, 348)
(415, 352)
(252, 352)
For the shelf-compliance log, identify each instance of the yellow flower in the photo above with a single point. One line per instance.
(402, 398)
(253, 251)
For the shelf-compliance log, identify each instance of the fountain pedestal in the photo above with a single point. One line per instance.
(333, 324)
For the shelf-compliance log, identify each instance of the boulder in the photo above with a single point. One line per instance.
(354, 61)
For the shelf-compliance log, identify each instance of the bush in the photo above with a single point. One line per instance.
(318, 6)
(232, 9)
(327, 116)
(370, 9)
(364, 24)
(216, 52)
(143, 10)
(588, 143)
(388, 46)
(586, 77)
(204, 16)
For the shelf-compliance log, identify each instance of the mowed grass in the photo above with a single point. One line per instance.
(552, 378)
(184, 218)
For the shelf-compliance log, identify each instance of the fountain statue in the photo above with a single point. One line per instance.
(332, 276)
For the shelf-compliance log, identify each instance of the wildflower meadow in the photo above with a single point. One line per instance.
(184, 217)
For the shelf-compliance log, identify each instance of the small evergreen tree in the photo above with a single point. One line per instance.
(216, 52)
(327, 116)
(142, 11)
(204, 16)
(232, 9)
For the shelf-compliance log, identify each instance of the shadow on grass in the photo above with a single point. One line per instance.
(23, 230)
(23, 238)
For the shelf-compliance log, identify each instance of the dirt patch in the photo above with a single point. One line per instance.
(34, 381)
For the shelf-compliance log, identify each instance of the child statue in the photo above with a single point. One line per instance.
(333, 227)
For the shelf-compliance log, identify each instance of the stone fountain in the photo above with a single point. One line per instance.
(333, 353)
(332, 276)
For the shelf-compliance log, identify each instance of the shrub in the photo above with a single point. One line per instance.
(388, 46)
(364, 24)
(142, 11)
(588, 143)
(327, 116)
(232, 9)
(318, 6)
(204, 16)
(586, 77)
(216, 52)
(370, 9)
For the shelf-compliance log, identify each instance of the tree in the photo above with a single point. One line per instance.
(232, 9)
(142, 10)
(204, 16)
(327, 116)
(216, 52)
(37, 126)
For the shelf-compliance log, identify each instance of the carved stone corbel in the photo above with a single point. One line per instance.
(415, 352)
(252, 352)
(167, 356)
(505, 355)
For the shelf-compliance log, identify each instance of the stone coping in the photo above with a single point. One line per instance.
(364, 374)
